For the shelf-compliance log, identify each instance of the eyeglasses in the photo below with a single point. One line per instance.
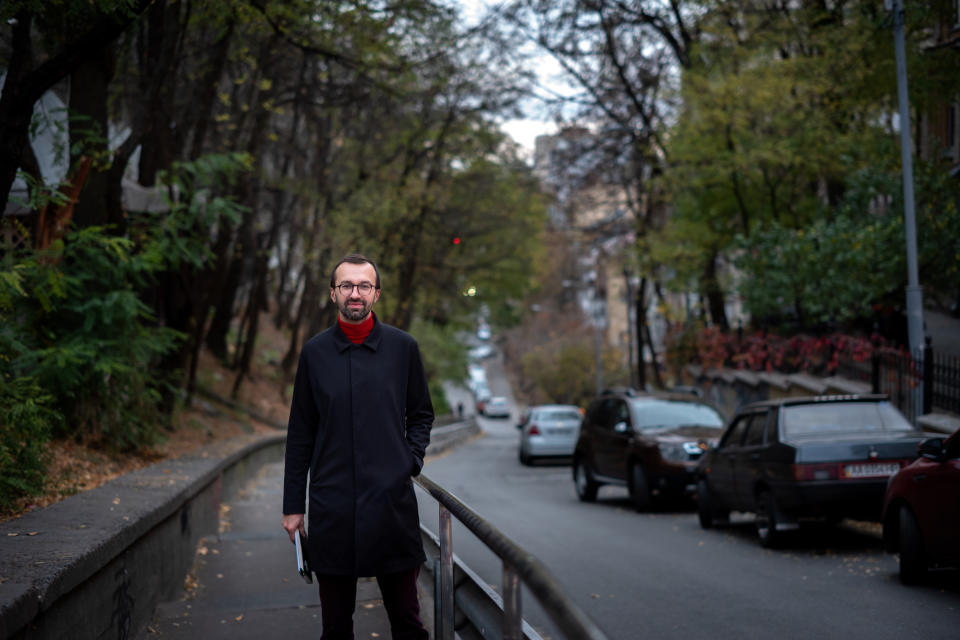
(346, 288)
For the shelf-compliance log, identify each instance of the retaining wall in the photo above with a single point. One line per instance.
(730, 389)
(96, 564)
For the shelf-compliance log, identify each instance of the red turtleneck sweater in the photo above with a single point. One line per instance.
(357, 333)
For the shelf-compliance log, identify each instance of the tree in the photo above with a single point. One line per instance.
(783, 107)
(28, 79)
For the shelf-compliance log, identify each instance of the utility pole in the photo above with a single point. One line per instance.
(914, 291)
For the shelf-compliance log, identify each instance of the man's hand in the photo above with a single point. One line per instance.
(292, 523)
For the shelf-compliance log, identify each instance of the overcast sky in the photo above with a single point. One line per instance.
(524, 131)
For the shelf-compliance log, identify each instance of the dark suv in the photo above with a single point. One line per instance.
(648, 442)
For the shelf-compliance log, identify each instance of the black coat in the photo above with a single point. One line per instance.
(360, 423)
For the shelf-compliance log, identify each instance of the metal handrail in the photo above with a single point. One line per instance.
(518, 565)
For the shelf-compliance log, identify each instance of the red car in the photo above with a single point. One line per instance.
(921, 510)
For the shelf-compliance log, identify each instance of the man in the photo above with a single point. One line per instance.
(359, 423)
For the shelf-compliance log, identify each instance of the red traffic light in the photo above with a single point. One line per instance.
(456, 240)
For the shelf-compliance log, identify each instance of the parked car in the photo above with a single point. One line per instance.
(826, 457)
(481, 395)
(921, 510)
(476, 375)
(497, 407)
(483, 332)
(648, 442)
(480, 352)
(549, 431)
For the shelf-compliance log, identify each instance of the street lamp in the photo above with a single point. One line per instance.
(914, 291)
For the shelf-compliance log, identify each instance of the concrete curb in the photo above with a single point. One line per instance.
(95, 565)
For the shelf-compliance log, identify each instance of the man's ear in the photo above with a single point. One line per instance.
(333, 295)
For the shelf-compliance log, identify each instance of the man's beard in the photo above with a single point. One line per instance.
(354, 314)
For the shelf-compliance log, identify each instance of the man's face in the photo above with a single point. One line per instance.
(354, 306)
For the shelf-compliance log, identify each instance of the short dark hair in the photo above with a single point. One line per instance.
(354, 258)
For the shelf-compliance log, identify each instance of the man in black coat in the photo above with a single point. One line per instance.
(359, 423)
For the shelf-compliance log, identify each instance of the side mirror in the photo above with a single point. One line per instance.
(932, 449)
(621, 427)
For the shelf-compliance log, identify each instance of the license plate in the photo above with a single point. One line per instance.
(559, 432)
(874, 470)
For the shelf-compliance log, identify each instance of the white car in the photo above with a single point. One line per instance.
(549, 430)
(477, 376)
(480, 352)
(497, 407)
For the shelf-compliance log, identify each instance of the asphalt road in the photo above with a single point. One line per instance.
(661, 576)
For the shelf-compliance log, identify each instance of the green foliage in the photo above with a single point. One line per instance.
(74, 327)
(26, 419)
(438, 397)
(79, 345)
(444, 354)
(836, 269)
(784, 111)
(567, 374)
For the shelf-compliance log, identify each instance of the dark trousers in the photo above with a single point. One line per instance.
(338, 599)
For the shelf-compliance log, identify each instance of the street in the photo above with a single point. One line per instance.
(660, 575)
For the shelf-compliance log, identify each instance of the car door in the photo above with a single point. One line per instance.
(611, 439)
(938, 504)
(591, 434)
(721, 477)
(749, 462)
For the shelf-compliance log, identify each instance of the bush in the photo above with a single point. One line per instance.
(76, 333)
(26, 418)
(567, 373)
(78, 346)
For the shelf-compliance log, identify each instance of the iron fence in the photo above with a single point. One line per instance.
(918, 383)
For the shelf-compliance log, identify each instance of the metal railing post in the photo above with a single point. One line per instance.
(512, 613)
(445, 631)
(478, 605)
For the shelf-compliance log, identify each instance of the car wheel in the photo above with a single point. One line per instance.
(583, 482)
(707, 511)
(913, 562)
(639, 489)
(767, 520)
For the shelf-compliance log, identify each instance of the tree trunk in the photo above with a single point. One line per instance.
(199, 119)
(161, 42)
(16, 106)
(24, 85)
(255, 304)
(641, 321)
(89, 86)
(713, 294)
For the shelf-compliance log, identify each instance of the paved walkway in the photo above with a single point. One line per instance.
(247, 584)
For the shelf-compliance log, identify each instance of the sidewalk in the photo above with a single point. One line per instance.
(247, 586)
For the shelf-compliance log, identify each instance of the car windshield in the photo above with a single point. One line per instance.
(842, 417)
(653, 413)
(559, 415)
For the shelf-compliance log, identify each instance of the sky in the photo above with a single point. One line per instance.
(523, 130)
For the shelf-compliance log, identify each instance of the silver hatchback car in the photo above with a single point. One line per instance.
(549, 430)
